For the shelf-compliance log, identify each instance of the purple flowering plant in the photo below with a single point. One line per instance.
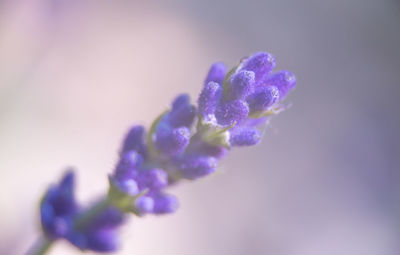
(183, 143)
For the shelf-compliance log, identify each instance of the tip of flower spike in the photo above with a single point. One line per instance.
(263, 98)
(216, 73)
(260, 63)
(283, 80)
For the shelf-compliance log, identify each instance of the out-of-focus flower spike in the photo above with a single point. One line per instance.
(260, 63)
(134, 141)
(182, 113)
(263, 98)
(216, 73)
(232, 112)
(99, 232)
(58, 206)
(209, 98)
(241, 85)
(66, 198)
(244, 137)
(165, 203)
(283, 80)
(171, 142)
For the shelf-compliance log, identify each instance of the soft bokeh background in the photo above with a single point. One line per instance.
(325, 180)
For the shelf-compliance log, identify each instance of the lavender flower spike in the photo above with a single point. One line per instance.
(186, 142)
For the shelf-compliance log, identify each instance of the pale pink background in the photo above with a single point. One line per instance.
(325, 180)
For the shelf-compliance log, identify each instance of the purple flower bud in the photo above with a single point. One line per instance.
(128, 165)
(134, 141)
(263, 98)
(210, 150)
(180, 101)
(242, 84)
(244, 137)
(182, 113)
(144, 204)
(216, 73)
(154, 179)
(193, 166)
(164, 203)
(232, 112)
(209, 98)
(58, 206)
(260, 63)
(172, 142)
(283, 80)
(102, 240)
(128, 186)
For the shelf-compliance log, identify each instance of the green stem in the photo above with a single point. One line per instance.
(92, 212)
(41, 246)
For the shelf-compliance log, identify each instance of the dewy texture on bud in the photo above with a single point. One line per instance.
(185, 142)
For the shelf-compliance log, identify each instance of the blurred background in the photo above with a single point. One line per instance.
(74, 75)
